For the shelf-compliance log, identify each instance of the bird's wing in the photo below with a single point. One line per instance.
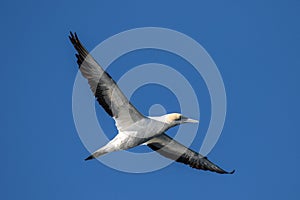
(105, 89)
(172, 149)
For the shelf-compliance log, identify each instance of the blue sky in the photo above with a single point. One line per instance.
(255, 46)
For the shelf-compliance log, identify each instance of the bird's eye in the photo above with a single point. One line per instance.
(179, 118)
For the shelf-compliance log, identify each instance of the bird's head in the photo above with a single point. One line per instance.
(177, 118)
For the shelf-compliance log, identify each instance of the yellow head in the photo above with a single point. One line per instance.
(176, 118)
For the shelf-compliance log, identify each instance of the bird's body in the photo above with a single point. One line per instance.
(134, 129)
(136, 134)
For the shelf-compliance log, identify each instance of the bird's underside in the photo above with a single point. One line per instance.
(127, 117)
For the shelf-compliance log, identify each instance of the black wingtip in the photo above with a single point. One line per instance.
(226, 172)
(76, 35)
(89, 158)
(71, 36)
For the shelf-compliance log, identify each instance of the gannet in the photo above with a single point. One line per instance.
(134, 128)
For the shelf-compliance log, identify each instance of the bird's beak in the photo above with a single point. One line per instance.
(188, 120)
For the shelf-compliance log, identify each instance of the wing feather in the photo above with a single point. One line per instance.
(105, 89)
(172, 149)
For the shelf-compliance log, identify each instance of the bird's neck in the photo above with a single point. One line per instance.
(162, 119)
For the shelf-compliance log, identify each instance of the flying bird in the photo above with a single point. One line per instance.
(134, 128)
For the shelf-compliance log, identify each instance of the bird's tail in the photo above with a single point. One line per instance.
(97, 153)
(109, 147)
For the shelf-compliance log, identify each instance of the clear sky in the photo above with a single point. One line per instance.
(255, 45)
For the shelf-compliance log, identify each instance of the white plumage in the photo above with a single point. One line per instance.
(133, 128)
